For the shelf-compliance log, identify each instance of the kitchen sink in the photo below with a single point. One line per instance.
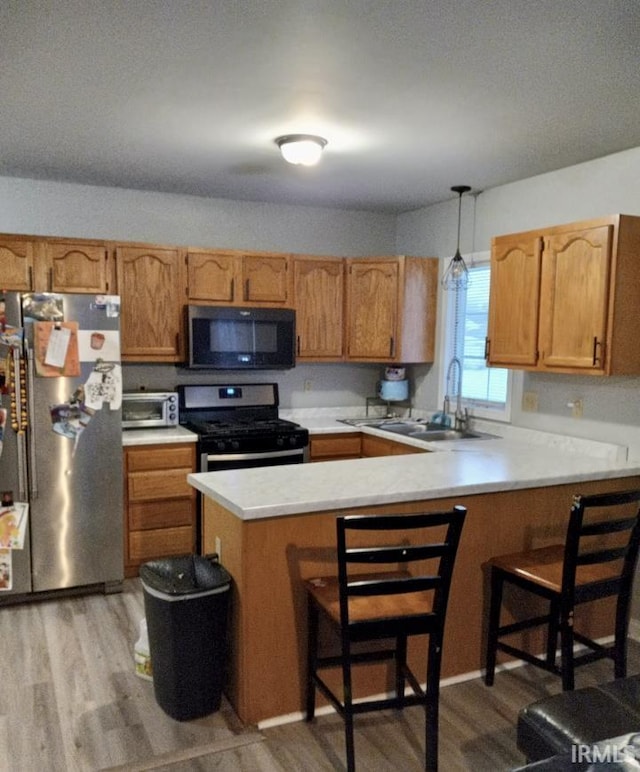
(419, 430)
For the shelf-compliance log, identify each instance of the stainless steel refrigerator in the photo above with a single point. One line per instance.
(61, 443)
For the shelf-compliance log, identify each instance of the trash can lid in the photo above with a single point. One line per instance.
(184, 575)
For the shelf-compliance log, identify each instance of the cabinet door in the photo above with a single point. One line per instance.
(265, 279)
(574, 299)
(329, 447)
(373, 447)
(212, 276)
(77, 267)
(513, 302)
(319, 302)
(151, 287)
(16, 262)
(372, 309)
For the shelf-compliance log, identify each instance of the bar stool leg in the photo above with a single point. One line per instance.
(552, 634)
(494, 624)
(312, 654)
(566, 647)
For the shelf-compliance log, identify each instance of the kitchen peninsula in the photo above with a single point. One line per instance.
(275, 527)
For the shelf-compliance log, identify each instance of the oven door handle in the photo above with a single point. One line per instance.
(252, 456)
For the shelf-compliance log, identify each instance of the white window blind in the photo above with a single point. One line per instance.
(485, 390)
(480, 383)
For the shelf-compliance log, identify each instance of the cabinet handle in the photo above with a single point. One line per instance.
(486, 348)
(50, 279)
(246, 290)
(31, 278)
(597, 359)
(391, 346)
(298, 344)
(232, 288)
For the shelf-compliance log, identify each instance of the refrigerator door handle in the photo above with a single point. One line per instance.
(18, 387)
(33, 481)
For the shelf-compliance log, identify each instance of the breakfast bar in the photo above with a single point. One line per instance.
(274, 527)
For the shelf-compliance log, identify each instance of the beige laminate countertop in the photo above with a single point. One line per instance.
(157, 436)
(518, 460)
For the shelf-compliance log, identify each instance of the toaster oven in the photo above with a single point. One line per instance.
(149, 409)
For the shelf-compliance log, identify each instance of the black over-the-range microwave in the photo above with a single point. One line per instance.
(238, 338)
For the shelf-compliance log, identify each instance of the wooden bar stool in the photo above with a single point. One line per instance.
(389, 607)
(598, 560)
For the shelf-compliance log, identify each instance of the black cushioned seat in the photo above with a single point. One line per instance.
(585, 716)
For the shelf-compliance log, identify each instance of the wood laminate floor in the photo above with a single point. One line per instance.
(70, 702)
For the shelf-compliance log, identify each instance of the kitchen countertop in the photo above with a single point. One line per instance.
(519, 459)
(157, 436)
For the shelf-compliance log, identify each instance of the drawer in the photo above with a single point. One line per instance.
(165, 457)
(161, 514)
(334, 446)
(146, 545)
(376, 446)
(167, 484)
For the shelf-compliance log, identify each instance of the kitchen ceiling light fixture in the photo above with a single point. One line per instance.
(301, 149)
(457, 274)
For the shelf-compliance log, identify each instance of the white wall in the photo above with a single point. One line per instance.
(601, 187)
(61, 209)
(604, 186)
(83, 211)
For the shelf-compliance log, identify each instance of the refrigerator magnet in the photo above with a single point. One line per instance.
(56, 349)
(6, 571)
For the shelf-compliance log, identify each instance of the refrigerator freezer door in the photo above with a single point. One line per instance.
(76, 487)
(12, 460)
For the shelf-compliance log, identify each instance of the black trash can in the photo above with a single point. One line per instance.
(186, 602)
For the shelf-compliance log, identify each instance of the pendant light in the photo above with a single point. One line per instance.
(457, 274)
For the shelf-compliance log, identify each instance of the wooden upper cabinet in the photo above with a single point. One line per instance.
(265, 279)
(212, 276)
(151, 286)
(514, 300)
(237, 278)
(77, 267)
(372, 309)
(577, 311)
(391, 309)
(574, 299)
(318, 291)
(16, 264)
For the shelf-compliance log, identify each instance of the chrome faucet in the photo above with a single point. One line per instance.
(461, 417)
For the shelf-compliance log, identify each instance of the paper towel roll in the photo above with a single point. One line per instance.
(393, 391)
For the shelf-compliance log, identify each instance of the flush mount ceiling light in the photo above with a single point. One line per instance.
(301, 149)
(457, 274)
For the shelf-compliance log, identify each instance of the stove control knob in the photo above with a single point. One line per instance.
(280, 442)
(235, 445)
(293, 441)
(220, 445)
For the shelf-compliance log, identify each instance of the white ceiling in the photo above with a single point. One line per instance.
(413, 96)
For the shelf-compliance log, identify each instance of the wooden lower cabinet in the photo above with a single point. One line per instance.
(160, 506)
(333, 447)
(378, 446)
(340, 446)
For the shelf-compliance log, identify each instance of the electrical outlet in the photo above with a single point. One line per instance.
(577, 408)
(530, 401)
(308, 385)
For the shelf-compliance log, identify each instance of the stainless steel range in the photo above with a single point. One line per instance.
(238, 426)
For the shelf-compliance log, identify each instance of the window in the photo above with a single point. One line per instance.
(485, 390)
